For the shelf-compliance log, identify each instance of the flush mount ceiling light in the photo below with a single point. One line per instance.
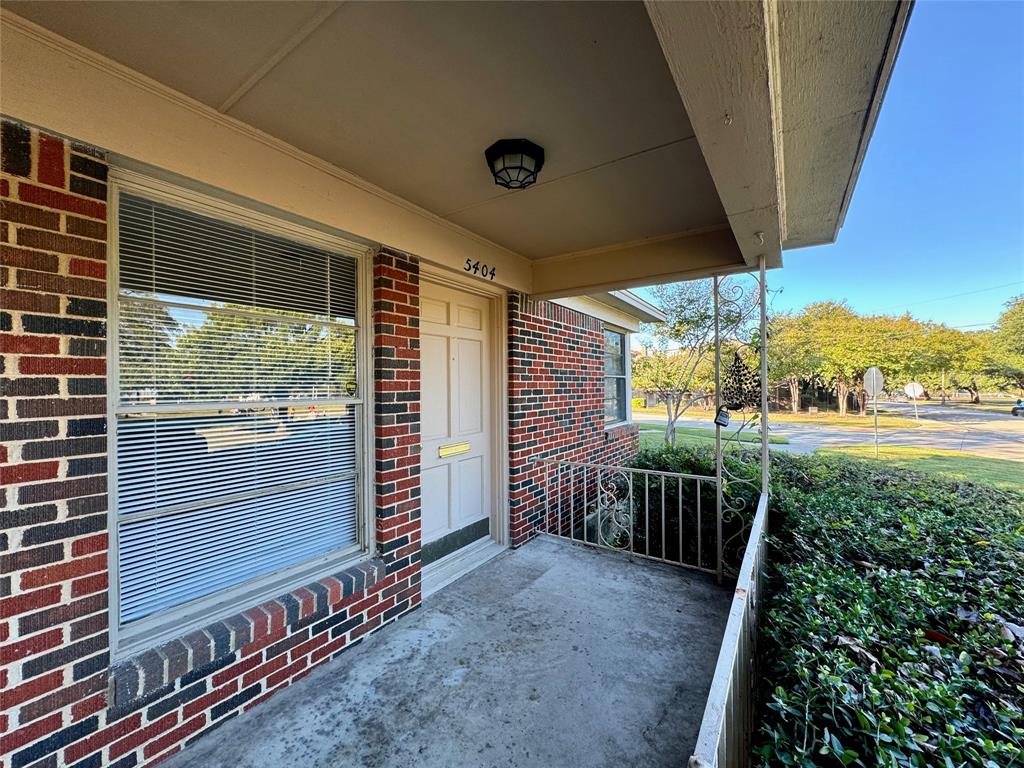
(514, 163)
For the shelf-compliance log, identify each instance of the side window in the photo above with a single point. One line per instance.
(616, 374)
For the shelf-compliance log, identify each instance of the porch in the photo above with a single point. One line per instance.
(553, 654)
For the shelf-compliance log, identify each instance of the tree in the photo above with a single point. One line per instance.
(844, 352)
(678, 367)
(792, 353)
(1007, 345)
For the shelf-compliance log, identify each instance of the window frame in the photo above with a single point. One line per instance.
(127, 640)
(626, 376)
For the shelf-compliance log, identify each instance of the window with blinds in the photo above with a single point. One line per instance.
(236, 406)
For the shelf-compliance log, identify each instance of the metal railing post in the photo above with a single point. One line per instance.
(764, 376)
(719, 564)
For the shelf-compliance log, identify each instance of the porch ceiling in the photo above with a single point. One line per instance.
(682, 139)
(408, 96)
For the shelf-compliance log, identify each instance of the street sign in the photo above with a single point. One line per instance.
(914, 390)
(873, 381)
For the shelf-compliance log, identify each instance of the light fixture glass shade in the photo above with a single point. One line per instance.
(514, 163)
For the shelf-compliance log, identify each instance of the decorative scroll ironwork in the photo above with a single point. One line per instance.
(614, 509)
(740, 471)
(648, 513)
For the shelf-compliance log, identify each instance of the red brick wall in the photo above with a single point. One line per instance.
(396, 382)
(556, 403)
(63, 703)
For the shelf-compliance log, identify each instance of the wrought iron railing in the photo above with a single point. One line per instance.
(672, 517)
(727, 728)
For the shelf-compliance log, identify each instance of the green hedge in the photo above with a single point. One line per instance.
(892, 631)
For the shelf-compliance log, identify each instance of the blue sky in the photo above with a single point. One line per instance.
(937, 217)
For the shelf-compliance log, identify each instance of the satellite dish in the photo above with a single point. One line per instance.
(914, 390)
(874, 381)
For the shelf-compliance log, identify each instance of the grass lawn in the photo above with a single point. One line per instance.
(825, 419)
(954, 465)
(653, 435)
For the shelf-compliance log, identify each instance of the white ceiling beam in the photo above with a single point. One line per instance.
(650, 262)
(724, 60)
(277, 57)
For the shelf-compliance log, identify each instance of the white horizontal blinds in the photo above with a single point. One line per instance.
(171, 461)
(201, 552)
(177, 354)
(170, 252)
(236, 405)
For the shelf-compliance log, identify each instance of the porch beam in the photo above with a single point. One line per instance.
(724, 58)
(650, 262)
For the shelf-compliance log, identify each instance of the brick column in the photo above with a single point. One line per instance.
(396, 379)
(53, 551)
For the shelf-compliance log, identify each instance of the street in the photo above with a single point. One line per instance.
(983, 433)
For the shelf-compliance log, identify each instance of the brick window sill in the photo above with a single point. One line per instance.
(620, 429)
(154, 673)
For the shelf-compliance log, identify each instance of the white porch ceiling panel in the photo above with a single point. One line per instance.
(408, 96)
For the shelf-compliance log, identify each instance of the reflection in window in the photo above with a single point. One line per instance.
(615, 376)
(236, 405)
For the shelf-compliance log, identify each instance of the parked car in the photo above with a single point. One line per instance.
(1018, 408)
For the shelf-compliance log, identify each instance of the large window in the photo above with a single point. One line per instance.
(235, 406)
(616, 376)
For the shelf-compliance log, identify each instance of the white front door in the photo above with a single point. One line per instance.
(456, 466)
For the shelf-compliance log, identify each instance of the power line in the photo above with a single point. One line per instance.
(951, 296)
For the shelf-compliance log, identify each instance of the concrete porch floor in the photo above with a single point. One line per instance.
(550, 655)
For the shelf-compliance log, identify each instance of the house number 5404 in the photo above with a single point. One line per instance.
(480, 269)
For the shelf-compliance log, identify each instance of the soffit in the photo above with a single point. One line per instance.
(835, 62)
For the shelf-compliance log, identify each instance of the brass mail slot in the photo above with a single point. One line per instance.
(453, 449)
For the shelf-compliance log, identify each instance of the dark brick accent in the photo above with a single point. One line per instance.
(88, 347)
(78, 527)
(62, 656)
(18, 518)
(89, 187)
(15, 149)
(235, 701)
(87, 308)
(51, 449)
(31, 558)
(61, 614)
(80, 427)
(88, 167)
(56, 741)
(64, 326)
(62, 489)
(30, 386)
(92, 466)
(27, 430)
(171, 703)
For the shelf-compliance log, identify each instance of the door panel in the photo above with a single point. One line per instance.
(469, 357)
(456, 401)
(435, 487)
(434, 403)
